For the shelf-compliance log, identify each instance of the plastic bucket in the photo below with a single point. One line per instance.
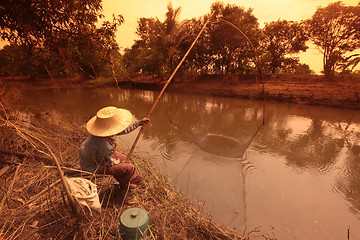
(134, 223)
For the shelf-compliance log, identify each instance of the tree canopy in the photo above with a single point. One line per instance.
(221, 49)
(335, 30)
(160, 43)
(37, 20)
(59, 36)
(283, 38)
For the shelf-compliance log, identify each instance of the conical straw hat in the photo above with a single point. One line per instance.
(109, 121)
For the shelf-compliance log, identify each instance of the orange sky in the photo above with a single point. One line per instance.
(264, 10)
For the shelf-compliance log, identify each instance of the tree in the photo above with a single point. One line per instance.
(173, 35)
(160, 45)
(33, 21)
(302, 68)
(146, 55)
(199, 58)
(335, 29)
(283, 38)
(61, 36)
(231, 52)
(96, 50)
(14, 61)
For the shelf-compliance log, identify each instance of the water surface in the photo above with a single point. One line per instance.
(297, 178)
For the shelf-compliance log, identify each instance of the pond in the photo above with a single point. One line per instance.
(297, 176)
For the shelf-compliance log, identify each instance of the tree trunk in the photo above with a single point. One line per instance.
(328, 65)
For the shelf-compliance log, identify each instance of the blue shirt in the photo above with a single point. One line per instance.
(96, 152)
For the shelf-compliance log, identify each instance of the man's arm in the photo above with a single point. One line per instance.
(134, 125)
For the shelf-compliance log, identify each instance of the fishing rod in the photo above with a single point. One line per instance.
(257, 60)
(260, 73)
(166, 84)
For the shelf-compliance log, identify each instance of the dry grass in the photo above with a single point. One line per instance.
(33, 204)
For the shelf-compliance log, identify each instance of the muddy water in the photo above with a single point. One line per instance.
(297, 178)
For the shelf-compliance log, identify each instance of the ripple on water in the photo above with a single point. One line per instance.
(174, 150)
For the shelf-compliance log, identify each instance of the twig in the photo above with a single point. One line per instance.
(10, 187)
(4, 170)
(36, 197)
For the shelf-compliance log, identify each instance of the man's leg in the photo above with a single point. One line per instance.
(125, 174)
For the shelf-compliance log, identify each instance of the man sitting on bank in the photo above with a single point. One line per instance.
(98, 152)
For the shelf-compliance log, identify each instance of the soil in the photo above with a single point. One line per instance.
(343, 92)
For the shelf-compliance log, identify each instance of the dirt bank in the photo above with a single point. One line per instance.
(341, 92)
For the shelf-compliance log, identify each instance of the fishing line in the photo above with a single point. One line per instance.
(218, 144)
(206, 140)
(258, 64)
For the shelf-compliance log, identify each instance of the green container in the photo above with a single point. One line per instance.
(134, 223)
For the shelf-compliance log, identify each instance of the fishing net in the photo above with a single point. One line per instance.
(217, 128)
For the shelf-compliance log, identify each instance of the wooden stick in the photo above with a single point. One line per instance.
(4, 170)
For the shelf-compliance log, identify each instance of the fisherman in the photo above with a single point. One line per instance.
(98, 152)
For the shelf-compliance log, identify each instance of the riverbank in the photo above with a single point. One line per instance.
(342, 92)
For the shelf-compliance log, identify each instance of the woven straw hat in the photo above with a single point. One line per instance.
(109, 121)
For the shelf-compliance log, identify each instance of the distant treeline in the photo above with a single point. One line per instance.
(62, 39)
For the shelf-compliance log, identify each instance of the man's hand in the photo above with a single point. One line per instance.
(145, 120)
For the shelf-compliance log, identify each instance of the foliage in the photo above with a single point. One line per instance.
(59, 37)
(230, 50)
(222, 49)
(14, 60)
(160, 46)
(146, 55)
(283, 38)
(301, 68)
(335, 29)
(34, 21)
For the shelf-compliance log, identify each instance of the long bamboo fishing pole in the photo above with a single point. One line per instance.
(166, 84)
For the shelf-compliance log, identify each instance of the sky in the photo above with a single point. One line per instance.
(264, 10)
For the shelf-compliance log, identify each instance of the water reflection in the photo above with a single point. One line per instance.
(317, 140)
(302, 167)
